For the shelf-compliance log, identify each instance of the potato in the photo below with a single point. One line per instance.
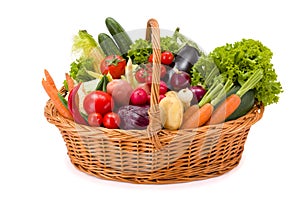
(121, 92)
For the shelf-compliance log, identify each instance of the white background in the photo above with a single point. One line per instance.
(38, 34)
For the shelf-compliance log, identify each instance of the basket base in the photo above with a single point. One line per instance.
(150, 178)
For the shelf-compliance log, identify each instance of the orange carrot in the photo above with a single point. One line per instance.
(53, 94)
(231, 103)
(70, 82)
(225, 109)
(189, 112)
(49, 79)
(200, 117)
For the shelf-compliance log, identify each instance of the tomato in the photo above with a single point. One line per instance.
(95, 119)
(167, 57)
(140, 75)
(144, 73)
(150, 59)
(111, 120)
(113, 64)
(99, 102)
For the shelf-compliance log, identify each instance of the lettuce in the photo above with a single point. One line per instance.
(78, 70)
(240, 60)
(140, 51)
(88, 56)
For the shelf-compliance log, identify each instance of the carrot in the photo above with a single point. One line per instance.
(200, 117)
(224, 110)
(70, 82)
(49, 79)
(53, 94)
(189, 112)
(232, 102)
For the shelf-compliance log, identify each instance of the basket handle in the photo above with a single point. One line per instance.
(153, 35)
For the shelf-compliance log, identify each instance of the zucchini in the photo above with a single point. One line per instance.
(107, 44)
(120, 36)
(247, 102)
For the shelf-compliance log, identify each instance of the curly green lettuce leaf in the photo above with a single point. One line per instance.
(169, 43)
(240, 60)
(83, 43)
(204, 72)
(139, 51)
(85, 47)
(79, 69)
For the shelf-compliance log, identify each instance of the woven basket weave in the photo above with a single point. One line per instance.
(155, 155)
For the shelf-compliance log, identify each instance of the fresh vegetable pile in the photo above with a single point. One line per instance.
(109, 83)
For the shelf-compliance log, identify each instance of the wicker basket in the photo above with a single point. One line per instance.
(155, 155)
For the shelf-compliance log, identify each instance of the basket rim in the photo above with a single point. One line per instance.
(54, 117)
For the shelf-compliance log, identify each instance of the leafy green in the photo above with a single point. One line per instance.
(139, 51)
(83, 43)
(204, 72)
(85, 47)
(78, 69)
(183, 40)
(240, 60)
(169, 43)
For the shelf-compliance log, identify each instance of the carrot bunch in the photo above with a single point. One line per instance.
(53, 94)
(205, 112)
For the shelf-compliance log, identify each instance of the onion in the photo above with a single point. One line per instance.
(180, 80)
(198, 91)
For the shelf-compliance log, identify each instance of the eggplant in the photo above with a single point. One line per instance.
(134, 117)
(186, 58)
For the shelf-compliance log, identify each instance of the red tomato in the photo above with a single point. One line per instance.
(113, 64)
(144, 73)
(163, 69)
(140, 75)
(99, 102)
(167, 57)
(111, 120)
(150, 59)
(95, 119)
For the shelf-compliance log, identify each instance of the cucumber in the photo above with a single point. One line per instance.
(120, 36)
(247, 102)
(107, 44)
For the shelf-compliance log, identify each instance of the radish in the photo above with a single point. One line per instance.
(138, 97)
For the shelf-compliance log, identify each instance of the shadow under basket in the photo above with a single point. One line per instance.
(130, 156)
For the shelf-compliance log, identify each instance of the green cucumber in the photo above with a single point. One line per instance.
(107, 44)
(120, 36)
(247, 102)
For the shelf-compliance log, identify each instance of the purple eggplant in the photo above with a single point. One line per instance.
(186, 58)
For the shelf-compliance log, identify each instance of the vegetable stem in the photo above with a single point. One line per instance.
(251, 82)
(211, 93)
(228, 85)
